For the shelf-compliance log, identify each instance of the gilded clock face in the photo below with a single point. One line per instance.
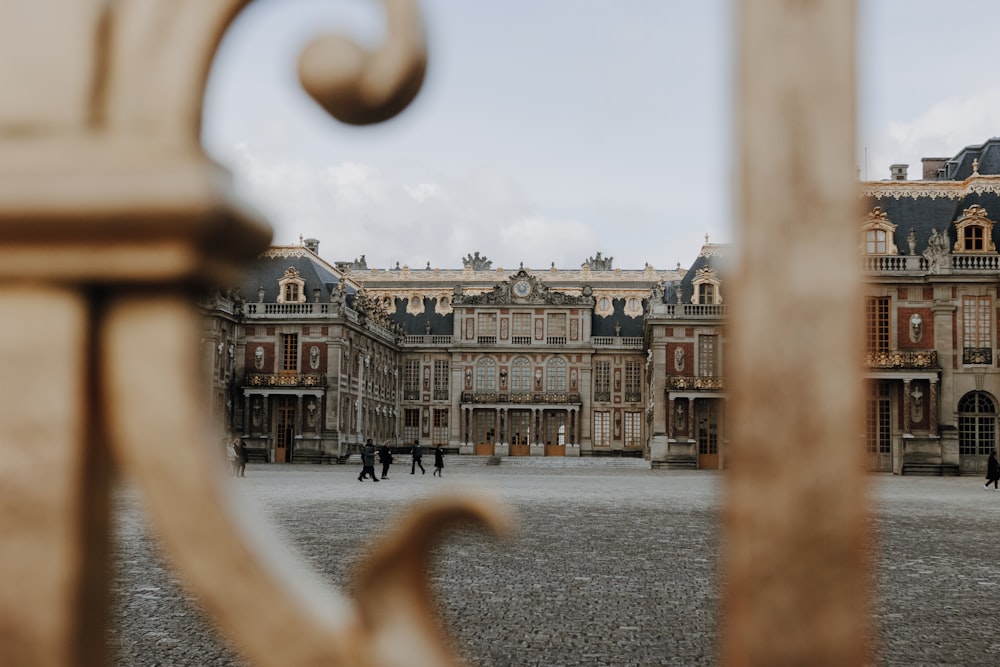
(522, 288)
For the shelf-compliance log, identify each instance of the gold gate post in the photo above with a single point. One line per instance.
(794, 544)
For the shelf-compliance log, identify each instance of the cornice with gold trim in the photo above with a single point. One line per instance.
(977, 184)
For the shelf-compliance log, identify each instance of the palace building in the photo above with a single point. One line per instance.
(310, 357)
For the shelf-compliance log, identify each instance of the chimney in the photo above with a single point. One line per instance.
(898, 171)
(932, 165)
(312, 245)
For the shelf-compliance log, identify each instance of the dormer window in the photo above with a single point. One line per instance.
(877, 234)
(707, 288)
(291, 288)
(974, 231)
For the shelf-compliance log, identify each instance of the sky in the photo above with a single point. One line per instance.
(550, 130)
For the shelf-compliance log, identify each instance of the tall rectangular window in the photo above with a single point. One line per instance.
(706, 293)
(708, 352)
(411, 379)
(520, 324)
(877, 324)
(440, 379)
(633, 381)
(411, 424)
(602, 381)
(487, 324)
(289, 352)
(976, 321)
(633, 429)
(602, 428)
(878, 435)
(439, 427)
(555, 334)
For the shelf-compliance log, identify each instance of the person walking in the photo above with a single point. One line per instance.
(385, 458)
(418, 454)
(368, 462)
(992, 472)
(438, 460)
(242, 457)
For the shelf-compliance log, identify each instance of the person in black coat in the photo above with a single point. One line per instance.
(368, 462)
(438, 460)
(385, 458)
(418, 454)
(992, 471)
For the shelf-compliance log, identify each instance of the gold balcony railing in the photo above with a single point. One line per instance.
(285, 380)
(901, 359)
(695, 383)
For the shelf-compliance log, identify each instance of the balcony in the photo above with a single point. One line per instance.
(887, 264)
(435, 341)
(258, 310)
(697, 383)
(692, 311)
(891, 359)
(975, 356)
(622, 342)
(521, 398)
(285, 380)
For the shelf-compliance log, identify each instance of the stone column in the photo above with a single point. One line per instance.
(907, 408)
(932, 406)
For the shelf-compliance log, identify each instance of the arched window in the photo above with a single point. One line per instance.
(486, 374)
(555, 375)
(707, 287)
(974, 231)
(877, 234)
(520, 374)
(291, 287)
(977, 423)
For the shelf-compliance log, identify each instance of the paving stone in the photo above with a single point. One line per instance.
(610, 566)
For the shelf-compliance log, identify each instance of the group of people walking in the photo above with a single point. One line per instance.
(384, 454)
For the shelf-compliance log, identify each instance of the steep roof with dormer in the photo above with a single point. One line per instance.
(918, 208)
(273, 264)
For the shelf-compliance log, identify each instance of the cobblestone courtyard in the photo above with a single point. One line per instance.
(610, 567)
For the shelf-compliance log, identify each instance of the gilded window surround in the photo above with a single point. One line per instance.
(292, 278)
(878, 220)
(706, 276)
(974, 216)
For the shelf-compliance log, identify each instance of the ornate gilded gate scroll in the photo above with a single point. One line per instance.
(110, 215)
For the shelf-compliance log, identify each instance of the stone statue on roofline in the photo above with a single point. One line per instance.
(936, 250)
(477, 262)
(598, 263)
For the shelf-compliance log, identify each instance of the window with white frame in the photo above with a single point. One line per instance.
(633, 429)
(555, 375)
(486, 374)
(602, 428)
(520, 374)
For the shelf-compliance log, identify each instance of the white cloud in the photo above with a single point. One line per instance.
(422, 192)
(940, 131)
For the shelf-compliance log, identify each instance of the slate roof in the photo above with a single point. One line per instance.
(416, 325)
(270, 267)
(918, 206)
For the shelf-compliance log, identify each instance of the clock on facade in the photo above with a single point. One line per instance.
(522, 288)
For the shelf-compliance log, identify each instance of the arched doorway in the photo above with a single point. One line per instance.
(977, 430)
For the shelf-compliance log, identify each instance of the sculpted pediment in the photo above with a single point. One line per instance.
(523, 288)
